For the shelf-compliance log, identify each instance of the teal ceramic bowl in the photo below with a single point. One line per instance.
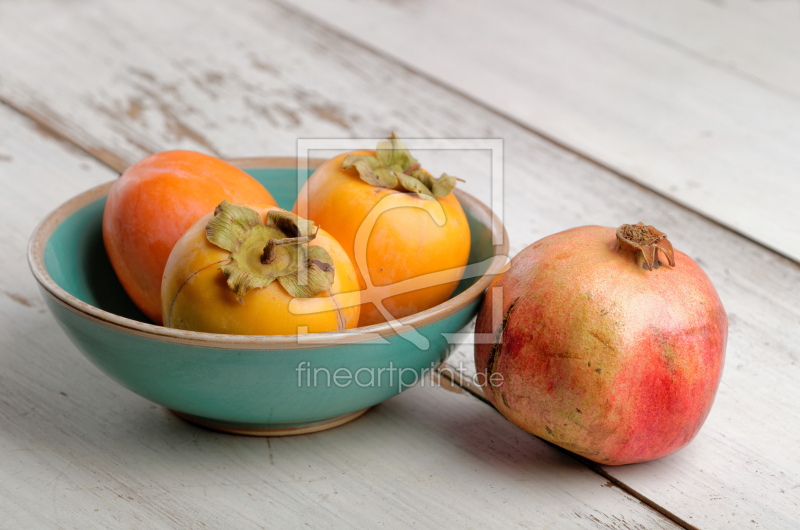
(267, 385)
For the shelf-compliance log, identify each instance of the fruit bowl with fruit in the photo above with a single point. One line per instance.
(102, 295)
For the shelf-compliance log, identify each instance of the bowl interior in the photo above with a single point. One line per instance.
(76, 259)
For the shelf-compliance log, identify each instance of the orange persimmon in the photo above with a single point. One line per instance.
(258, 271)
(397, 223)
(153, 203)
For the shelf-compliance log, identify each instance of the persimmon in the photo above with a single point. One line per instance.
(240, 270)
(411, 225)
(153, 203)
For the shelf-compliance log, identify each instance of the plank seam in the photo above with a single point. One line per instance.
(677, 47)
(526, 127)
(108, 159)
(630, 491)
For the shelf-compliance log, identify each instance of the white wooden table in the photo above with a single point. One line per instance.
(683, 114)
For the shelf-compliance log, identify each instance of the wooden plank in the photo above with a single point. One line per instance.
(79, 451)
(757, 41)
(547, 189)
(698, 126)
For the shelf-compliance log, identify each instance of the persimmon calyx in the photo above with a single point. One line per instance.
(393, 165)
(275, 250)
(644, 242)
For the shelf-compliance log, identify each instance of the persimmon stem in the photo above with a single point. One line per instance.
(269, 250)
(413, 167)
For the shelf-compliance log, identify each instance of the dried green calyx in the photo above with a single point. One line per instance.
(394, 166)
(275, 250)
(644, 242)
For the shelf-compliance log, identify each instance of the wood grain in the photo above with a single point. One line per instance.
(688, 99)
(755, 40)
(79, 451)
(211, 68)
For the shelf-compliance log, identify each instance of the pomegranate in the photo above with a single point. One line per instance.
(600, 347)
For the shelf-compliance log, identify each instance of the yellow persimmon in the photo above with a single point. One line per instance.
(398, 225)
(241, 270)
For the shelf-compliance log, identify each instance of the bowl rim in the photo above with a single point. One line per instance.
(52, 221)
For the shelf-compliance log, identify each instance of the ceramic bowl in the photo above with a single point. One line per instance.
(260, 385)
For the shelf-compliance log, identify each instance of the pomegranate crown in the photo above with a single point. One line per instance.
(645, 242)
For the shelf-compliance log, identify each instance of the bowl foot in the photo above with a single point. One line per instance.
(271, 429)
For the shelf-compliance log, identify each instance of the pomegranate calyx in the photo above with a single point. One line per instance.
(275, 250)
(644, 242)
(393, 165)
